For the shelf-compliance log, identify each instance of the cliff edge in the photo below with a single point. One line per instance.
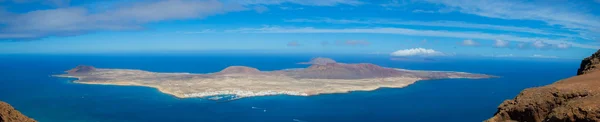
(575, 99)
(589, 64)
(9, 114)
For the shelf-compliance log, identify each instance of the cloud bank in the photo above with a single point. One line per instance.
(453, 24)
(128, 16)
(125, 15)
(353, 43)
(469, 42)
(411, 32)
(500, 43)
(416, 52)
(542, 56)
(569, 16)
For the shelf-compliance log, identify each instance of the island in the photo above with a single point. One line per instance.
(323, 76)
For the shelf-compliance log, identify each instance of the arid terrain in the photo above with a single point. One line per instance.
(575, 99)
(9, 114)
(323, 76)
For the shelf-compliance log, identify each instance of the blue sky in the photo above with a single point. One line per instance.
(490, 28)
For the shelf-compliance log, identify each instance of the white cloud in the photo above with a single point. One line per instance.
(542, 56)
(261, 9)
(196, 32)
(411, 32)
(499, 55)
(500, 43)
(301, 2)
(393, 3)
(57, 3)
(505, 55)
(291, 8)
(16, 35)
(423, 11)
(469, 42)
(456, 24)
(571, 16)
(416, 52)
(539, 44)
(563, 46)
(353, 43)
(75, 20)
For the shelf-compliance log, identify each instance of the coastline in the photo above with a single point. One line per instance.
(237, 93)
(243, 81)
(162, 90)
(134, 84)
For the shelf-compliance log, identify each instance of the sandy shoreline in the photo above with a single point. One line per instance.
(162, 90)
(133, 84)
(216, 93)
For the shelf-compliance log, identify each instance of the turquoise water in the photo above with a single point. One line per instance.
(25, 82)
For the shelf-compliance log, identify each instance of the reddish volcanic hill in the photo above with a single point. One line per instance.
(82, 69)
(575, 99)
(346, 71)
(325, 68)
(9, 114)
(320, 61)
(239, 70)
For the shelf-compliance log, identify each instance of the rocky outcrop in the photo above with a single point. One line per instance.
(9, 114)
(589, 64)
(239, 70)
(81, 69)
(575, 99)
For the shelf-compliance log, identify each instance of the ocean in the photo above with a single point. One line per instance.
(27, 84)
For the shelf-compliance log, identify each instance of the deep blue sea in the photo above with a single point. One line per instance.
(26, 83)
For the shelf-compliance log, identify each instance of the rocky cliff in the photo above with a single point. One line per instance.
(575, 99)
(9, 114)
(589, 64)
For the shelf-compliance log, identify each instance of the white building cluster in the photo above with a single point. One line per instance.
(241, 93)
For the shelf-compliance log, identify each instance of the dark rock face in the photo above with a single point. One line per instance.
(575, 99)
(82, 69)
(9, 114)
(589, 64)
(239, 70)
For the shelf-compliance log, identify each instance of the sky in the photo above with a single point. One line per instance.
(488, 28)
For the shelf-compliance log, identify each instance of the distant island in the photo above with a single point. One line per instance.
(323, 76)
